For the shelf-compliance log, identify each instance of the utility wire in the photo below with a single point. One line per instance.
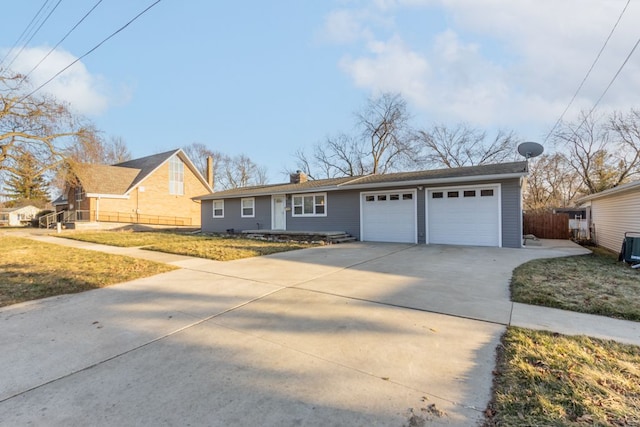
(608, 86)
(24, 31)
(60, 42)
(588, 73)
(90, 50)
(34, 33)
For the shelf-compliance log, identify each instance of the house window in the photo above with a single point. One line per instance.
(176, 176)
(310, 205)
(469, 193)
(407, 196)
(79, 194)
(370, 198)
(218, 208)
(382, 197)
(486, 193)
(437, 195)
(248, 207)
(452, 194)
(394, 197)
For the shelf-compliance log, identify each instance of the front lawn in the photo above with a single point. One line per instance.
(547, 379)
(217, 248)
(31, 270)
(596, 283)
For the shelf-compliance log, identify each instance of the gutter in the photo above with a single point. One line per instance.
(620, 189)
(108, 196)
(425, 182)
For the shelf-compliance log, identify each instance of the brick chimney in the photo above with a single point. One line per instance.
(210, 171)
(298, 177)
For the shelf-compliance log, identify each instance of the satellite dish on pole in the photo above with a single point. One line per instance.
(530, 149)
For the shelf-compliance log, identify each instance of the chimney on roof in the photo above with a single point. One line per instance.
(298, 177)
(210, 171)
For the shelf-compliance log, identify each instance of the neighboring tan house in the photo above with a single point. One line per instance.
(14, 217)
(478, 205)
(613, 212)
(157, 189)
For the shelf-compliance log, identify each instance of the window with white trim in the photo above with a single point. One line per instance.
(176, 176)
(79, 193)
(310, 204)
(218, 208)
(247, 207)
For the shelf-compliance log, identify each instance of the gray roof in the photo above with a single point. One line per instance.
(146, 165)
(468, 173)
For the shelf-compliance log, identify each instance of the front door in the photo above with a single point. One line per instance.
(278, 217)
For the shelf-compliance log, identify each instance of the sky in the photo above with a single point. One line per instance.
(267, 78)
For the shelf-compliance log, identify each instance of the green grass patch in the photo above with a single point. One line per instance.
(596, 283)
(547, 379)
(31, 270)
(219, 248)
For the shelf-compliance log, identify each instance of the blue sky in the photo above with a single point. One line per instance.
(266, 78)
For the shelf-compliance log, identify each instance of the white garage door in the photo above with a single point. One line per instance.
(464, 216)
(388, 216)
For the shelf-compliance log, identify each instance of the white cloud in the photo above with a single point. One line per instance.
(343, 26)
(495, 62)
(85, 92)
(390, 67)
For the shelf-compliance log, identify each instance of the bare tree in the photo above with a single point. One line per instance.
(384, 143)
(463, 145)
(603, 152)
(626, 131)
(198, 153)
(341, 155)
(241, 171)
(551, 183)
(40, 126)
(116, 150)
(389, 141)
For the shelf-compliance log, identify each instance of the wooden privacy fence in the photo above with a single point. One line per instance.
(547, 225)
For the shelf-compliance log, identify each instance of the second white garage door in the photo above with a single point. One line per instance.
(464, 216)
(388, 216)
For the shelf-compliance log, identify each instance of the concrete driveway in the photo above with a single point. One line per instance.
(353, 334)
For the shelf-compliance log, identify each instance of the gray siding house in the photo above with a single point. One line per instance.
(477, 205)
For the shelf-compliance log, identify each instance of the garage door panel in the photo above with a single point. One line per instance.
(389, 216)
(471, 220)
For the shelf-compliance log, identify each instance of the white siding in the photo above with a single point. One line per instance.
(612, 216)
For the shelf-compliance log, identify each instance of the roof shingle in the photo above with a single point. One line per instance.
(472, 172)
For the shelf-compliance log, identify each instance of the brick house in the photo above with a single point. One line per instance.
(157, 189)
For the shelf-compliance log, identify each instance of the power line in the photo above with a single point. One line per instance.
(91, 50)
(633, 49)
(24, 32)
(589, 73)
(33, 34)
(60, 42)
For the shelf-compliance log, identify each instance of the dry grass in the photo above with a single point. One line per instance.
(211, 247)
(547, 379)
(595, 284)
(31, 270)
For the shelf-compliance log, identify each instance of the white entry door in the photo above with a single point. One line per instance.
(278, 213)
